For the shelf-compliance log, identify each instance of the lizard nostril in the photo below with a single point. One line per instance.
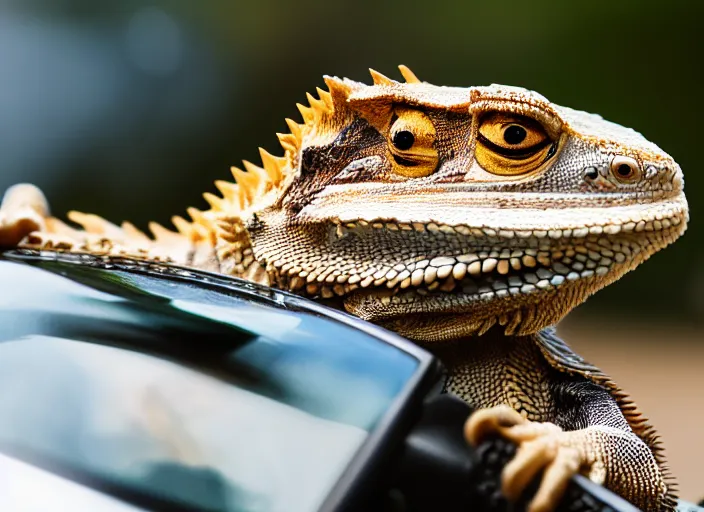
(591, 173)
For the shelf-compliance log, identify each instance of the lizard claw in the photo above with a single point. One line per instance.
(539, 449)
(23, 210)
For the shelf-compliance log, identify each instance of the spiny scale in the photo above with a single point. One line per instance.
(380, 79)
(408, 75)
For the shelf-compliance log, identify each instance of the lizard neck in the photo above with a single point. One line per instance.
(477, 364)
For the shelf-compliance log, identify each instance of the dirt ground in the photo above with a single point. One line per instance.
(662, 367)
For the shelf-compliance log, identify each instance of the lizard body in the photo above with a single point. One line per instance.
(467, 219)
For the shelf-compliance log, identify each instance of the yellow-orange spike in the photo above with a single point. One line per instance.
(132, 233)
(312, 100)
(197, 216)
(408, 75)
(227, 225)
(247, 181)
(339, 90)
(307, 113)
(201, 232)
(319, 107)
(192, 231)
(215, 202)
(242, 199)
(326, 97)
(288, 142)
(261, 175)
(295, 129)
(272, 166)
(245, 189)
(380, 79)
(95, 225)
(282, 162)
(228, 190)
(160, 233)
(182, 225)
(55, 226)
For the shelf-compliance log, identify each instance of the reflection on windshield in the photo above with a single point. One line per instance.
(157, 425)
(238, 406)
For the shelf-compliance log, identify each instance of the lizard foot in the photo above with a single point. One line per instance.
(541, 447)
(23, 210)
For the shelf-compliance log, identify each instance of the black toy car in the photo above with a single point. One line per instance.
(134, 386)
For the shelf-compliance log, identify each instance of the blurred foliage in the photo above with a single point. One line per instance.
(164, 136)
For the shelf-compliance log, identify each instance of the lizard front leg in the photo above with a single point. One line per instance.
(562, 422)
(591, 437)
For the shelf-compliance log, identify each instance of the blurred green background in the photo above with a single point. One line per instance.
(131, 108)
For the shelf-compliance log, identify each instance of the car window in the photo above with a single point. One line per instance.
(209, 398)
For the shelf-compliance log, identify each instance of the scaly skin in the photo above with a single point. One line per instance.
(445, 214)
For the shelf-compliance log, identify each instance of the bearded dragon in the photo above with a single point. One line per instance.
(469, 220)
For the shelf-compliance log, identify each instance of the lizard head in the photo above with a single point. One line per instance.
(440, 211)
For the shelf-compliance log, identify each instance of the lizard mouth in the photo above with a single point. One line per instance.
(401, 257)
(542, 264)
(478, 264)
(497, 267)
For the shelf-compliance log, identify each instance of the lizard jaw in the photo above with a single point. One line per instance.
(506, 287)
(428, 279)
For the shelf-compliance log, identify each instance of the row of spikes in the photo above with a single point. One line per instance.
(250, 184)
(197, 230)
(407, 74)
(255, 181)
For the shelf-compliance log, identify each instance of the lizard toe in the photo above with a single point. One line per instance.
(555, 479)
(494, 420)
(530, 459)
(541, 449)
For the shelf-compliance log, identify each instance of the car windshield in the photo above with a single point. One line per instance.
(204, 397)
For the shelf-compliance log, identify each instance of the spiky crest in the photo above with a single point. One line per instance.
(320, 119)
(254, 186)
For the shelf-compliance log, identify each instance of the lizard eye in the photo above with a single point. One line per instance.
(512, 145)
(412, 143)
